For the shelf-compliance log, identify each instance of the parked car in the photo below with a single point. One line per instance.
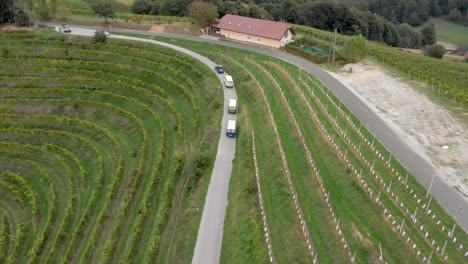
(219, 69)
(65, 28)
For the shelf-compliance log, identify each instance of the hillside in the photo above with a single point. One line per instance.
(93, 149)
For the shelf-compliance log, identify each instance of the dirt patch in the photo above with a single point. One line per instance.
(10, 27)
(173, 28)
(426, 127)
(131, 179)
(33, 109)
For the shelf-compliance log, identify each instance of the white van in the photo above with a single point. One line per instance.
(228, 82)
(231, 128)
(232, 106)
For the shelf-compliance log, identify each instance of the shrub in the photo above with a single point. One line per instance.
(5, 53)
(22, 19)
(99, 37)
(355, 48)
(435, 51)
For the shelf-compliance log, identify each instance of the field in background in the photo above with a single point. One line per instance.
(449, 32)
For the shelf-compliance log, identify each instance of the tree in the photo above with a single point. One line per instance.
(408, 38)
(141, 7)
(355, 48)
(455, 15)
(428, 34)
(436, 51)
(414, 19)
(173, 7)
(390, 34)
(6, 11)
(105, 10)
(203, 13)
(22, 18)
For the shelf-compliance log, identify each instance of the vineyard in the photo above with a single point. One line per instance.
(448, 77)
(311, 185)
(95, 143)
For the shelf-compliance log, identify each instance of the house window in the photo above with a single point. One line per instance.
(286, 34)
(248, 37)
(259, 39)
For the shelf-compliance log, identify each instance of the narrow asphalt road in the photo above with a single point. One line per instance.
(210, 232)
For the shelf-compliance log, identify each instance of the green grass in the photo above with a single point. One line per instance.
(97, 146)
(449, 32)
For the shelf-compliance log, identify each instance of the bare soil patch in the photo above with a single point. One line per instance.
(174, 28)
(428, 128)
(8, 27)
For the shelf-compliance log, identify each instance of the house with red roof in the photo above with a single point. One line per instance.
(258, 31)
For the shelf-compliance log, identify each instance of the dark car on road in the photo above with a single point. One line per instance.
(219, 69)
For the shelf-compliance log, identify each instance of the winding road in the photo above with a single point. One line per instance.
(208, 245)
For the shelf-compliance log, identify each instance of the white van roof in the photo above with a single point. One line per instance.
(231, 124)
(228, 78)
(232, 102)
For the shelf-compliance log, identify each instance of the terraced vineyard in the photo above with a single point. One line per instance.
(314, 185)
(95, 143)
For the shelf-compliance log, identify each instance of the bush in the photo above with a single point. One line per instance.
(355, 48)
(5, 53)
(22, 19)
(100, 37)
(435, 51)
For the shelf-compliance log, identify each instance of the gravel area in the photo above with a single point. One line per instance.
(426, 127)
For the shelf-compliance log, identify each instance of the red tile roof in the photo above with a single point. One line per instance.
(254, 26)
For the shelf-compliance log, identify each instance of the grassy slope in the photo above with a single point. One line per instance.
(449, 32)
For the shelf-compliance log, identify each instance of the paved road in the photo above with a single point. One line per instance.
(210, 232)
(445, 194)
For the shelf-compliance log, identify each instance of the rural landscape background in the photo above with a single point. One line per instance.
(351, 145)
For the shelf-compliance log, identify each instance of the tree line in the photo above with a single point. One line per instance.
(413, 12)
(19, 11)
(325, 15)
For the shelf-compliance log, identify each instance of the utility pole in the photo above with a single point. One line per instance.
(334, 45)
(331, 51)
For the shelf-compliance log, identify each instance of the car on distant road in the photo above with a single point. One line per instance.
(107, 34)
(65, 28)
(219, 69)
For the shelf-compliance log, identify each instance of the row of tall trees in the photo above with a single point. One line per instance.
(326, 15)
(12, 11)
(413, 12)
